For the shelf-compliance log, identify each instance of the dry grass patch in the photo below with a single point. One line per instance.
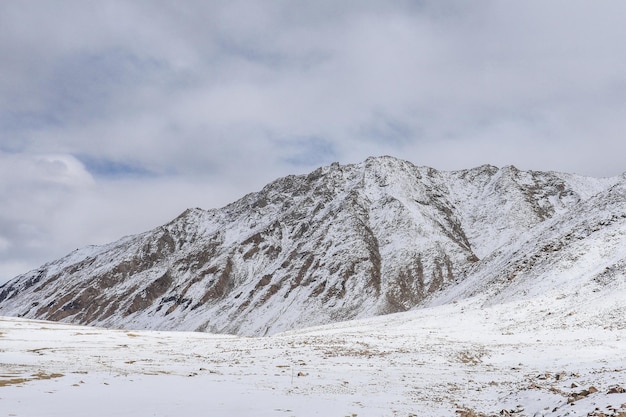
(12, 381)
(39, 376)
(470, 357)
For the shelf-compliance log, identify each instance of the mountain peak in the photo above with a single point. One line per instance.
(342, 242)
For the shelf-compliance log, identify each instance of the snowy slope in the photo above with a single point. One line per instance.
(582, 248)
(542, 356)
(343, 242)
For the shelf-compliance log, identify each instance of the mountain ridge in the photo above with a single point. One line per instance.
(342, 242)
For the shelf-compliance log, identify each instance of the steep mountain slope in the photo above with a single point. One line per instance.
(582, 250)
(340, 243)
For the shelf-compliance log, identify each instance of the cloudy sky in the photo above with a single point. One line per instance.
(115, 116)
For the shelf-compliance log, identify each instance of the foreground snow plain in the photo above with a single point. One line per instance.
(523, 358)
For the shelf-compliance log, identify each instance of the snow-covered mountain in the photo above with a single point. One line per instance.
(342, 242)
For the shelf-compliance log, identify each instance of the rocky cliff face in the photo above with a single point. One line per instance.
(343, 242)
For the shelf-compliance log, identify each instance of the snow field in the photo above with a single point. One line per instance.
(528, 357)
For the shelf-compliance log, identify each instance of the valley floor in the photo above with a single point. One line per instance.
(527, 358)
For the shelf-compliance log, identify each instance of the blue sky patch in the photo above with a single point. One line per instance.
(109, 168)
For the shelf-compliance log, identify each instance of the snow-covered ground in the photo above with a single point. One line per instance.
(528, 357)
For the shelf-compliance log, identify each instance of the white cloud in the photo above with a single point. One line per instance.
(4, 244)
(63, 170)
(107, 107)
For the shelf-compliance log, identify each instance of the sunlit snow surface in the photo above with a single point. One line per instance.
(527, 356)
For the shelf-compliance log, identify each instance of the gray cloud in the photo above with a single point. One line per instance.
(115, 116)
